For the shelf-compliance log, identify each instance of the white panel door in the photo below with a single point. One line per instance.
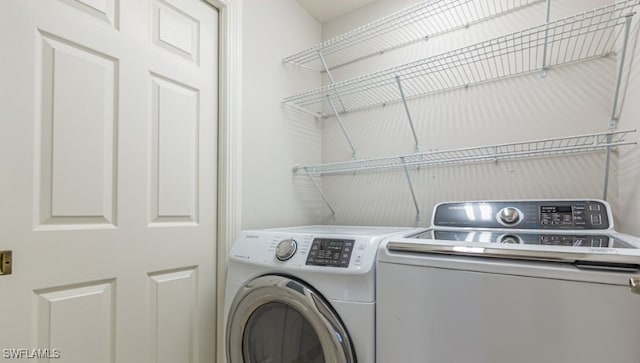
(108, 189)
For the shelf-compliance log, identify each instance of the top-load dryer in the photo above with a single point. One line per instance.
(303, 294)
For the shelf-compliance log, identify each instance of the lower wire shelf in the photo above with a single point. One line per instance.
(516, 150)
(598, 142)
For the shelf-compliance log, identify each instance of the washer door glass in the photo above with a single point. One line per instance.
(277, 319)
(276, 332)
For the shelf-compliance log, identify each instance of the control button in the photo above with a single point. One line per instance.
(578, 207)
(596, 219)
(597, 242)
(594, 207)
(286, 249)
(509, 216)
(362, 246)
(358, 260)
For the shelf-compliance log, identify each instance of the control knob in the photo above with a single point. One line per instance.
(286, 249)
(509, 216)
(510, 239)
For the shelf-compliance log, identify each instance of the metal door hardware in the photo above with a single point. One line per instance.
(634, 284)
(5, 262)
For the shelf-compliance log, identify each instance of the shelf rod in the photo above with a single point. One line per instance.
(326, 68)
(324, 197)
(344, 131)
(413, 194)
(406, 109)
(614, 109)
(543, 70)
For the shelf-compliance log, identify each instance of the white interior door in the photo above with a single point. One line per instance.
(108, 186)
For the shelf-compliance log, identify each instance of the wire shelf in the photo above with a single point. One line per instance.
(517, 150)
(417, 23)
(576, 38)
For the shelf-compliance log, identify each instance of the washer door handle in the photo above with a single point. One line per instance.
(634, 284)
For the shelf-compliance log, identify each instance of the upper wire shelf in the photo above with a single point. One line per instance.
(517, 150)
(414, 24)
(575, 38)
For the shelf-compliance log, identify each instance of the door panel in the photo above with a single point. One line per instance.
(108, 137)
(78, 97)
(91, 308)
(174, 155)
(172, 315)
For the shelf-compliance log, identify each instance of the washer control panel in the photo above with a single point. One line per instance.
(547, 214)
(330, 252)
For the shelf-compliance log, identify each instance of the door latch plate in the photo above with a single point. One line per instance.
(5, 262)
(634, 284)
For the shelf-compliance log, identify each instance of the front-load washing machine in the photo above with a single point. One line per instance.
(303, 294)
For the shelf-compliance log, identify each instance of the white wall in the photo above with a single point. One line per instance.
(273, 140)
(629, 166)
(571, 100)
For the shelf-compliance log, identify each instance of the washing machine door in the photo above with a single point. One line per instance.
(281, 320)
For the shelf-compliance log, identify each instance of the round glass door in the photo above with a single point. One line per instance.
(275, 319)
(276, 332)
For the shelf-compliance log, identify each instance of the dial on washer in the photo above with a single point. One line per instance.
(286, 249)
(509, 216)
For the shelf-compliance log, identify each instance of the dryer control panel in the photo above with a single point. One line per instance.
(546, 214)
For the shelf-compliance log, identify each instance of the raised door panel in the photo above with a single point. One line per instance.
(104, 10)
(78, 113)
(174, 152)
(173, 315)
(77, 322)
(176, 31)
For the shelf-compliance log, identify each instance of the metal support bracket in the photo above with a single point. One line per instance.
(344, 131)
(543, 70)
(406, 109)
(413, 194)
(326, 69)
(613, 120)
(324, 197)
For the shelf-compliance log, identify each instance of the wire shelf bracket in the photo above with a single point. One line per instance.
(543, 70)
(344, 130)
(324, 197)
(413, 194)
(406, 109)
(613, 121)
(331, 80)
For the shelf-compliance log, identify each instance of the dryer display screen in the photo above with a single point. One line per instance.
(330, 252)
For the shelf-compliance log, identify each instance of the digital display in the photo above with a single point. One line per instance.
(555, 209)
(330, 252)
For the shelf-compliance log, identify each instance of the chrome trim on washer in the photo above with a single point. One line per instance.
(517, 254)
(333, 337)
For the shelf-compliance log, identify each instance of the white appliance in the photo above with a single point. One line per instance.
(511, 281)
(303, 294)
